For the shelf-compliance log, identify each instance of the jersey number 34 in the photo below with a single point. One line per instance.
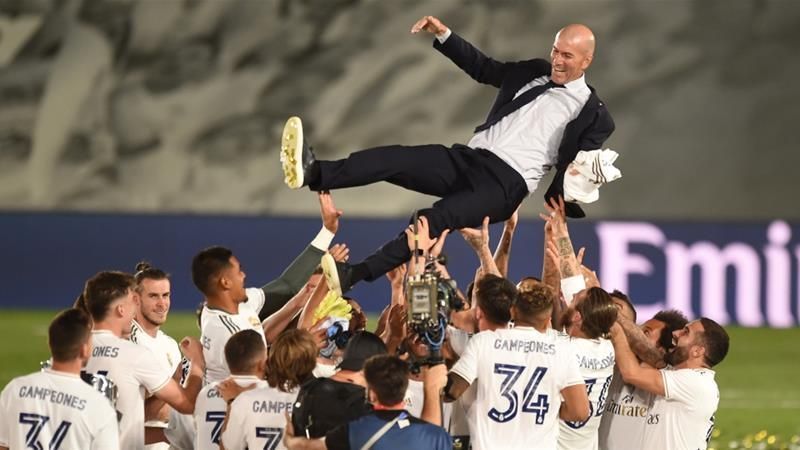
(538, 407)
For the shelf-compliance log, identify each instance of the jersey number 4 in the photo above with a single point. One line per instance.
(512, 374)
(37, 423)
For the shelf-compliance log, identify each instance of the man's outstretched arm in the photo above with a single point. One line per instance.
(280, 290)
(480, 67)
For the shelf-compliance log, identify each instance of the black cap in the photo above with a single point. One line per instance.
(361, 347)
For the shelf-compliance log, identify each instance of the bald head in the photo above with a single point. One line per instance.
(572, 53)
(579, 35)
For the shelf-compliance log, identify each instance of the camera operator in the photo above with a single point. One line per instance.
(389, 426)
(325, 403)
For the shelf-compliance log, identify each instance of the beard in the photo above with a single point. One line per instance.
(678, 355)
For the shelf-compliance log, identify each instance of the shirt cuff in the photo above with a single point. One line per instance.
(571, 286)
(443, 37)
(323, 239)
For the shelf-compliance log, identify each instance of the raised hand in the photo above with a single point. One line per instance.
(423, 236)
(430, 24)
(340, 252)
(556, 216)
(477, 239)
(330, 215)
(397, 275)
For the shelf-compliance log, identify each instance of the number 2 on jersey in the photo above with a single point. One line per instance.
(37, 423)
(512, 373)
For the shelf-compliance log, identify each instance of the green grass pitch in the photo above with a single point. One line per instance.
(759, 381)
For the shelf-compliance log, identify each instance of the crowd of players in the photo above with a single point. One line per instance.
(552, 362)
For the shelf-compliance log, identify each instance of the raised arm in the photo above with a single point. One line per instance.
(632, 372)
(280, 290)
(480, 67)
(502, 253)
(640, 345)
(179, 398)
(479, 241)
(572, 280)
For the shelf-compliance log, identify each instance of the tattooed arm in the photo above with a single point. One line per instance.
(503, 252)
(640, 345)
(560, 245)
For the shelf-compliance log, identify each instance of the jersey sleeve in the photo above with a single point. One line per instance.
(235, 435)
(5, 423)
(107, 434)
(150, 371)
(571, 374)
(467, 365)
(458, 339)
(684, 386)
(255, 299)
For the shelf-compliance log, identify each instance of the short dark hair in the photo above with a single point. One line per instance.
(103, 289)
(292, 359)
(673, 320)
(494, 296)
(715, 340)
(598, 313)
(387, 377)
(145, 271)
(532, 303)
(68, 331)
(244, 350)
(208, 263)
(625, 299)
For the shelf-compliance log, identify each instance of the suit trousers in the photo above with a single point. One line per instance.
(472, 184)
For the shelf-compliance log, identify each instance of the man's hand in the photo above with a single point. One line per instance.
(193, 351)
(330, 215)
(556, 217)
(435, 378)
(397, 322)
(423, 237)
(397, 275)
(430, 24)
(229, 390)
(477, 239)
(340, 252)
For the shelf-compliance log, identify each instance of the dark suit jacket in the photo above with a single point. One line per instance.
(587, 132)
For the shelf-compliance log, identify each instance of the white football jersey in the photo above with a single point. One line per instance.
(257, 419)
(519, 373)
(684, 417)
(595, 359)
(52, 409)
(623, 421)
(209, 412)
(415, 397)
(160, 345)
(217, 326)
(458, 424)
(136, 371)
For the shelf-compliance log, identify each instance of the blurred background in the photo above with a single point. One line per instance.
(149, 129)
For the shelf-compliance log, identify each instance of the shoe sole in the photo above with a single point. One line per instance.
(331, 274)
(292, 153)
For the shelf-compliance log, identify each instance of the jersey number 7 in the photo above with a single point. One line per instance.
(512, 373)
(37, 423)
